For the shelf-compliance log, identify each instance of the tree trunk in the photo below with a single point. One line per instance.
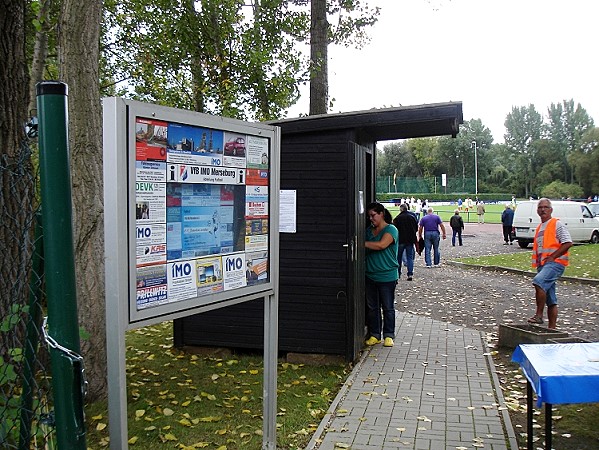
(40, 53)
(79, 50)
(319, 82)
(16, 173)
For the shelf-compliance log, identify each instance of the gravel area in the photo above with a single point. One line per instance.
(483, 299)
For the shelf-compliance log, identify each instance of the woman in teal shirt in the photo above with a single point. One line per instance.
(381, 274)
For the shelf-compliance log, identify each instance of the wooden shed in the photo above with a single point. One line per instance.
(329, 160)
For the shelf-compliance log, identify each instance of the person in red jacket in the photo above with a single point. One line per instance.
(550, 258)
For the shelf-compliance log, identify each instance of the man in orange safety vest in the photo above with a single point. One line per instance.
(550, 258)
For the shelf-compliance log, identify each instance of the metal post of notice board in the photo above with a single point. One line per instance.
(271, 313)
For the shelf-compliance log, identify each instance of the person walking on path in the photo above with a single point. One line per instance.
(550, 257)
(480, 211)
(429, 226)
(381, 274)
(507, 219)
(457, 225)
(407, 226)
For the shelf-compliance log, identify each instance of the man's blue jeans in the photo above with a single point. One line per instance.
(408, 251)
(432, 239)
(380, 295)
(456, 232)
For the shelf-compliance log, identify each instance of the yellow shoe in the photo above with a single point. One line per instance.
(372, 341)
(388, 342)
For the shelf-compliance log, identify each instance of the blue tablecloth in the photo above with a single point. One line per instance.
(561, 373)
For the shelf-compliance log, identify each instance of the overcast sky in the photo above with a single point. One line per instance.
(489, 54)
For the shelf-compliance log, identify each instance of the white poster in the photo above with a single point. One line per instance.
(234, 271)
(151, 244)
(150, 202)
(184, 173)
(182, 281)
(257, 152)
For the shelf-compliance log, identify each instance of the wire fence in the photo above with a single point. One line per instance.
(425, 185)
(26, 403)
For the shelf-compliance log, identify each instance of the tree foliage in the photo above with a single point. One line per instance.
(211, 56)
(566, 126)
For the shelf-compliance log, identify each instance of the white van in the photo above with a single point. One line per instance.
(583, 227)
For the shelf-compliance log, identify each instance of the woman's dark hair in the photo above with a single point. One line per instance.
(379, 208)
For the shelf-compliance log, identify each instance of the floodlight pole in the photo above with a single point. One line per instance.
(473, 145)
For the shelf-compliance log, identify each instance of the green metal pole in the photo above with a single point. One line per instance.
(60, 264)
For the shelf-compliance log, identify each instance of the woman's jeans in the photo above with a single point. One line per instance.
(431, 239)
(405, 255)
(380, 295)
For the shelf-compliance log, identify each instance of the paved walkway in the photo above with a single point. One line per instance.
(435, 389)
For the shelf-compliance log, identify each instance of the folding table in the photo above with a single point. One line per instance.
(558, 373)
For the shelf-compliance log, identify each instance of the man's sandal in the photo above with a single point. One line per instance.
(535, 319)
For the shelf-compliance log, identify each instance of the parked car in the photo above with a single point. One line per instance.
(581, 222)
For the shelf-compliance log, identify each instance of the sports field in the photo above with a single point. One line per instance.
(445, 211)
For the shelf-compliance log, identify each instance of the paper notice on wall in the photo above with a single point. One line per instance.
(287, 211)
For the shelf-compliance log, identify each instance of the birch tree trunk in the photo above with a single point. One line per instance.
(78, 38)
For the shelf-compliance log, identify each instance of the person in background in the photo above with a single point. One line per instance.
(507, 219)
(417, 210)
(407, 226)
(550, 257)
(381, 274)
(457, 226)
(429, 226)
(480, 211)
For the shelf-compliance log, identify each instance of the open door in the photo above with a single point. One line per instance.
(359, 195)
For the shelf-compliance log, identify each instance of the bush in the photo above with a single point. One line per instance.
(559, 189)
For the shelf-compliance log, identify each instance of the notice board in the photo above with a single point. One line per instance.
(190, 203)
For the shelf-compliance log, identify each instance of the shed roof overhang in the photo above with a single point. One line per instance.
(437, 119)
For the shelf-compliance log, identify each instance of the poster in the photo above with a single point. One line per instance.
(151, 244)
(151, 286)
(234, 150)
(209, 275)
(150, 200)
(234, 271)
(201, 211)
(257, 152)
(194, 145)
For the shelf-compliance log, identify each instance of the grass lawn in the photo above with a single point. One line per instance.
(584, 261)
(184, 401)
